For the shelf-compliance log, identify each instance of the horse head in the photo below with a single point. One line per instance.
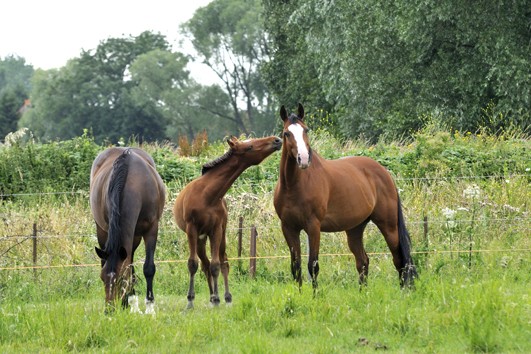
(254, 151)
(295, 136)
(113, 274)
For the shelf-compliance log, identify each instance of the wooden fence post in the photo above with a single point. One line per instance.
(426, 238)
(252, 261)
(34, 248)
(240, 232)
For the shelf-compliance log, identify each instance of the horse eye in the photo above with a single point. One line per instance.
(286, 134)
(249, 148)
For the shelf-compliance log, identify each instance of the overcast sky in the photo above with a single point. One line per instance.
(49, 32)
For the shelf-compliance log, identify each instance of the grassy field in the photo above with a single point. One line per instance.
(470, 240)
(453, 309)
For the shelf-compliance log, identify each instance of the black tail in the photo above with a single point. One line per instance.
(116, 187)
(408, 272)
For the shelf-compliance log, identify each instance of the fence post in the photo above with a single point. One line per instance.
(240, 231)
(426, 239)
(34, 248)
(252, 261)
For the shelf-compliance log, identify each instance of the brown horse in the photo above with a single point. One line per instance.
(318, 195)
(127, 197)
(201, 211)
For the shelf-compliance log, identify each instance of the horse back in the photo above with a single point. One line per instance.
(143, 191)
(193, 206)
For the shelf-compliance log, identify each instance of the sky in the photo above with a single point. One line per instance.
(47, 33)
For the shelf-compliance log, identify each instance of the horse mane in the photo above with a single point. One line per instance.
(120, 169)
(210, 165)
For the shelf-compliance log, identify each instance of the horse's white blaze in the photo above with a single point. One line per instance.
(303, 157)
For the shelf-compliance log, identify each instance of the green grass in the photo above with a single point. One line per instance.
(483, 309)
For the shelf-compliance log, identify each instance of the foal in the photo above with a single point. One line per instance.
(201, 211)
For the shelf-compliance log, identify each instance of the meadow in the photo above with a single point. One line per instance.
(466, 204)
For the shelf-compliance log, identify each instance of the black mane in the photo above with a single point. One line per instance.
(210, 165)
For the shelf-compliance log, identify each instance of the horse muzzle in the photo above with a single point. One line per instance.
(304, 160)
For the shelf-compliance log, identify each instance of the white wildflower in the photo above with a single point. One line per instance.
(14, 137)
(449, 214)
(471, 192)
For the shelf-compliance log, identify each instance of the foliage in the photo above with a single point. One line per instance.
(15, 86)
(65, 166)
(97, 91)
(396, 61)
(229, 38)
(57, 166)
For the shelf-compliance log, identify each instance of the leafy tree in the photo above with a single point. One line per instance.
(10, 103)
(382, 65)
(15, 77)
(229, 37)
(95, 91)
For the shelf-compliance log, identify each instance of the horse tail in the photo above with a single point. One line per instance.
(119, 172)
(409, 271)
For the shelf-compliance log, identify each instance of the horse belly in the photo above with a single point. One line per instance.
(345, 214)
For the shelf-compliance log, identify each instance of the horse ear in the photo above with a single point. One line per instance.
(101, 253)
(122, 253)
(232, 141)
(301, 112)
(283, 113)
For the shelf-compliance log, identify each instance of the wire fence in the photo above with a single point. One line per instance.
(266, 232)
(272, 183)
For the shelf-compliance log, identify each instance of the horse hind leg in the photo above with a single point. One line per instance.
(225, 269)
(150, 269)
(205, 263)
(392, 239)
(355, 244)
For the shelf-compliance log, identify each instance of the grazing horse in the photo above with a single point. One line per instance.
(200, 210)
(319, 195)
(127, 197)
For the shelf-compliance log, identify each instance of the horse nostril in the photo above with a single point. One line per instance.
(278, 141)
(299, 159)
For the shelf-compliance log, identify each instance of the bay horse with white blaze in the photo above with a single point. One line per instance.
(127, 198)
(319, 195)
(200, 210)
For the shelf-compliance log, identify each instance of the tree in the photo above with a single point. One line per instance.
(382, 65)
(15, 86)
(229, 37)
(95, 91)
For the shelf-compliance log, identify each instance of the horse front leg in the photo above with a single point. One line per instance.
(293, 240)
(313, 229)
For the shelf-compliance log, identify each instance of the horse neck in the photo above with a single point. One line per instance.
(290, 172)
(223, 176)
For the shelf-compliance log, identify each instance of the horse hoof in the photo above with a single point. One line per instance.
(150, 307)
(214, 301)
(190, 305)
(228, 298)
